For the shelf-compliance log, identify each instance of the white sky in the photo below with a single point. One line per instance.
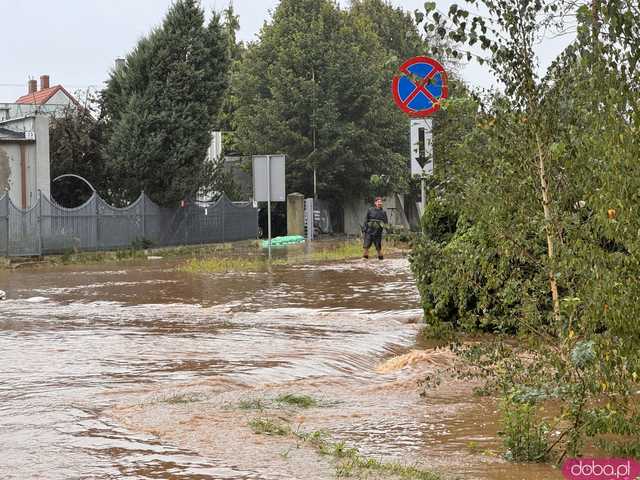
(75, 42)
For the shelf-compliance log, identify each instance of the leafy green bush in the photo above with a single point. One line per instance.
(466, 278)
(524, 435)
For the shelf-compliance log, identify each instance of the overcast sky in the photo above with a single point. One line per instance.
(76, 41)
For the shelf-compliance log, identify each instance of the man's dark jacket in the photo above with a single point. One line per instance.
(375, 221)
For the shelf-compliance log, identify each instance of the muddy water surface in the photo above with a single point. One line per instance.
(146, 372)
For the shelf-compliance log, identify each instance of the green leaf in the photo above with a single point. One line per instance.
(583, 354)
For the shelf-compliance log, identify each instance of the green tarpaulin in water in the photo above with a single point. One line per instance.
(288, 240)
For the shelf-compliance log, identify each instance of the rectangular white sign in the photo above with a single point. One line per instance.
(267, 182)
(422, 146)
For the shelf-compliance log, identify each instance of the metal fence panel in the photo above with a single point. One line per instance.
(24, 231)
(156, 221)
(196, 224)
(120, 227)
(66, 229)
(240, 220)
(96, 225)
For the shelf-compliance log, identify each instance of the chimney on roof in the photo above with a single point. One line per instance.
(44, 82)
(32, 86)
(119, 63)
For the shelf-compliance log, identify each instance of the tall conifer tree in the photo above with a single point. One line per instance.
(161, 106)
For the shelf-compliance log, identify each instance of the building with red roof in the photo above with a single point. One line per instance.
(47, 99)
(46, 95)
(24, 141)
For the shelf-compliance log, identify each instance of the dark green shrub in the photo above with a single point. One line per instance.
(466, 278)
(141, 243)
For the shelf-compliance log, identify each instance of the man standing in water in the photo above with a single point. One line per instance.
(374, 223)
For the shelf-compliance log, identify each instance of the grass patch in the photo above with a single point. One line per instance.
(141, 248)
(353, 249)
(346, 250)
(229, 264)
(252, 404)
(269, 426)
(203, 250)
(130, 254)
(72, 257)
(302, 401)
(350, 463)
(182, 398)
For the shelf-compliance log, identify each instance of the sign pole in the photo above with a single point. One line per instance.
(423, 191)
(269, 201)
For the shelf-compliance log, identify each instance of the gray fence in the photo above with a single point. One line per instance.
(48, 228)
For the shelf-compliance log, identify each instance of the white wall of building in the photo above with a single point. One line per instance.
(60, 99)
(41, 176)
(36, 150)
(10, 170)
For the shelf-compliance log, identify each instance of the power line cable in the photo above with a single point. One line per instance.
(68, 85)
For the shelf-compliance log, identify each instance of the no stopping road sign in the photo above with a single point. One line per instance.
(420, 87)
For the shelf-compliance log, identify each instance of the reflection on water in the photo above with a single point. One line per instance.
(78, 344)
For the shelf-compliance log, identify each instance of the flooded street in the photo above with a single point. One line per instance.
(145, 371)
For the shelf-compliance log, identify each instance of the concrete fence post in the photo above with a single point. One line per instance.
(295, 214)
(39, 222)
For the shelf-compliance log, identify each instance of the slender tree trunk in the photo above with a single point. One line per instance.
(546, 201)
(595, 29)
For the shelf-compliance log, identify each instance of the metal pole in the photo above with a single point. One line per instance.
(144, 229)
(5, 199)
(269, 201)
(423, 200)
(315, 185)
(95, 199)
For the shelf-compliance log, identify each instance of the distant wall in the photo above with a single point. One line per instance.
(355, 211)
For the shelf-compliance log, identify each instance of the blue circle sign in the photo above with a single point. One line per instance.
(420, 87)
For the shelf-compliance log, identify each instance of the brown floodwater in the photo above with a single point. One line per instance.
(139, 371)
